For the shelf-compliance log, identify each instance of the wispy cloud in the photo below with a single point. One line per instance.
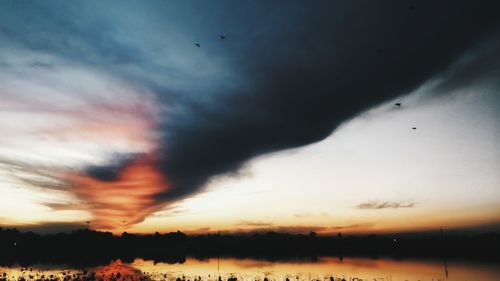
(171, 211)
(308, 215)
(256, 223)
(65, 206)
(377, 205)
(303, 215)
(259, 226)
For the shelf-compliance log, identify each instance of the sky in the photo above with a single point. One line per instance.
(326, 116)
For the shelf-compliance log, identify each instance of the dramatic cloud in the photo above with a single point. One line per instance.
(310, 71)
(149, 119)
(375, 205)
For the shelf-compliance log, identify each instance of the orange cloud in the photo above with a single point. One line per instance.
(127, 200)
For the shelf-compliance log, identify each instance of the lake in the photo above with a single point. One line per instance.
(322, 268)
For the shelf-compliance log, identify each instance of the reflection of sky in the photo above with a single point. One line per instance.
(250, 269)
(367, 269)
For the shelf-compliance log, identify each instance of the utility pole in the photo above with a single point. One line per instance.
(218, 255)
(444, 259)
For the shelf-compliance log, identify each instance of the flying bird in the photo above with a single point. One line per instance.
(398, 104)
(222, 37)
(197, 44)
(414, 128)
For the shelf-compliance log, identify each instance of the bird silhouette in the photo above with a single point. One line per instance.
(197, 44)
(414, 128)
(222, 37)
(398, 104)
(380, 51)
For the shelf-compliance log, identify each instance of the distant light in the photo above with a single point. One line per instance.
(395, 240)
(15, 244)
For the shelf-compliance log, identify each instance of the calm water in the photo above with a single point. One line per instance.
(250, 269)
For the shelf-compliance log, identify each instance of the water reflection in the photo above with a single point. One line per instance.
(324, 268)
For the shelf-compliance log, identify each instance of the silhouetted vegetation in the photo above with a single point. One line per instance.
(94, 247)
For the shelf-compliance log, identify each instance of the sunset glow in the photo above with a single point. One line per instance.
(159, 116)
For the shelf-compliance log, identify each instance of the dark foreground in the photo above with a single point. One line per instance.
(92, 247)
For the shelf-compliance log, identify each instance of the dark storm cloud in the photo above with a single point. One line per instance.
(378, 205)
(480, 68)
(111, 171)
(313, 68)
(287, 75)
